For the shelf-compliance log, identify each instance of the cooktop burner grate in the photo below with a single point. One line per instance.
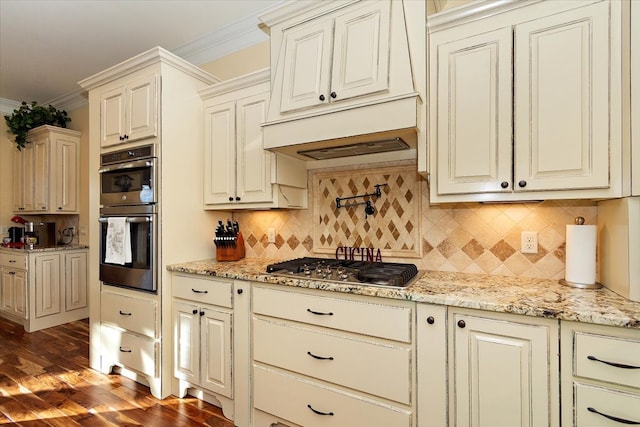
(387, 274)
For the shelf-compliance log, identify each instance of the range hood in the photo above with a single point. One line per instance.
(356, 149)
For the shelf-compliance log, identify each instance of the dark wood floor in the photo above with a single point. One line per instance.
(45, 381)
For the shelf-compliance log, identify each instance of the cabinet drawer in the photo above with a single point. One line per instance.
(626, 352)
(607, 402)
(133, 314)
(384, 321)
(205, 291)
(384, 371)
(295, 399)
(131, 351)
(13, 261)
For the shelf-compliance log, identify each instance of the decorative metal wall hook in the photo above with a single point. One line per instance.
(369, 209)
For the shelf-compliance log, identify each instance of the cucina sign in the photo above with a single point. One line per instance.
(358, 254)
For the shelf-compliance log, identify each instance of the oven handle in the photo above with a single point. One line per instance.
(130, 219)
(129, 165)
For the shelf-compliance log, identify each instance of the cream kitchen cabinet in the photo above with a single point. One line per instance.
(238, 172)
(13, 285)
(503, 369)
(46, 172)
(44, 289)
(329, 373)
(360, 59)
(525, 102)
(129, 110)
(635, 97)
(600, 375)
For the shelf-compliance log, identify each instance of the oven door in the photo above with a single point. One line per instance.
(140, 273)
(121, 183)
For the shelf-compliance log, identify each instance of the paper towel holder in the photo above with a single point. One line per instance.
(596, 285)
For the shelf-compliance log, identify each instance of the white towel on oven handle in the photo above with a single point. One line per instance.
(118, 244)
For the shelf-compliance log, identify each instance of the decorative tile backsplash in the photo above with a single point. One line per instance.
(462, 237)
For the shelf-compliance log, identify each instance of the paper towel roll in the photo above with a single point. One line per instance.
(581, 254)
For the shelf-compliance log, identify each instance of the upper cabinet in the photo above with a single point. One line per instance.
(238, 172)
(46, 172)
(129, 111)
(343, 70)
(526, 103)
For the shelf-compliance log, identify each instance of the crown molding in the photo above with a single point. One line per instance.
(8, 105)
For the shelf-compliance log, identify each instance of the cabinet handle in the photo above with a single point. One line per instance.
(237, 198)
(321, 98)
(612, 418)
(124, 313)
(522, 184)
(334, 95)
(319, 412)
(504, 184)
(318, 313)
(319, 357)
(461, 323)
(125, 350)
(239, 291)
(199, 292)
(195, 311)
(614, 364)
(44, 208)
(230, 199)
(126, 136)
(13, 273)
(431, 320)
(202, 313)
(12, 260)
(59, 208)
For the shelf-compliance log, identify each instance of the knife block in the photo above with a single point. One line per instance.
(230, 250)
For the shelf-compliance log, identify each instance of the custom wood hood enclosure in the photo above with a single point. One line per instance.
(346, 73)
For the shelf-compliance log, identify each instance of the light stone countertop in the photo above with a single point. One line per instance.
(44, 248)
(518, 295)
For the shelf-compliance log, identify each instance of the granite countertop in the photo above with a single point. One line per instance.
(45, 248)
(531, 297)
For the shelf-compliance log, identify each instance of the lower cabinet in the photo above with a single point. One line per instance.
(503, 369)
(323, 360)
(43, 289)
(600, 375)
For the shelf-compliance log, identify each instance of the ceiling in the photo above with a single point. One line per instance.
(47, 46)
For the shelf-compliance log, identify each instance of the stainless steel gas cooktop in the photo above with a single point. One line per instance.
(385, 274)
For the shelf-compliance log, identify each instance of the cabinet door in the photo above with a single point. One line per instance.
(6, 289)
(23, 179)
(186, 337)
(307, 64)
(65, 185)
(75, 280)
(500, 373)
(41, 174)
(20, 293)
(219, 153)
(253, 171)
(112, 116)
(215, 351)
(635, 97)
(46, 282)
(562, 100)
(474, 144)
(361, 52)
(142, 108)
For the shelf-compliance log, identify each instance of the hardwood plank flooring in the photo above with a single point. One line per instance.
(45, 381)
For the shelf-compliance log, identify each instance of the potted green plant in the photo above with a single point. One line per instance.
(30, 116)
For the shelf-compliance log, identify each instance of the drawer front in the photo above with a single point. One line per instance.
(605, 358)
(384, 321)
(131, 351)
(295, 400)
(205, 291)
(341, 360)
(13, 261)
(596, 406)
(133, 314)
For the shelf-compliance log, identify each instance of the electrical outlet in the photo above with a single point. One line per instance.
(529, 242)
(271, 235)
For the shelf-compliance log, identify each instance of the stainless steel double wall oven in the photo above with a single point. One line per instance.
(127, 189)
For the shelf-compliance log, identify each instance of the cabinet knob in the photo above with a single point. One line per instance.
(461, 323)
(44, 208)
(321, 98)
(431, 320)
(59, 208)
(239, 291)
(202, 313)
(195, 311)
(237, 198)
(522, 184)
(126, 136)
(504, 184)
(334, 95)
(230, 199)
